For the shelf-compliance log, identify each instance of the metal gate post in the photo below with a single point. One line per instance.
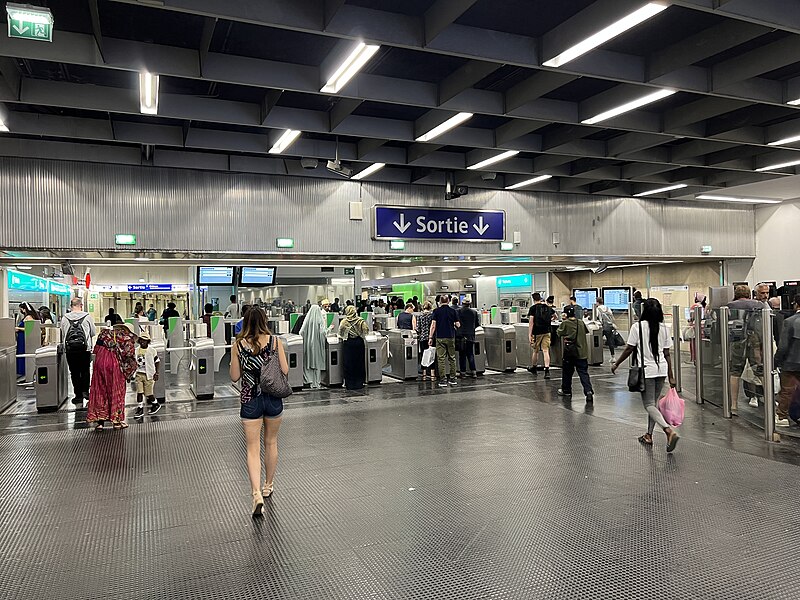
(767, 380)
(676, 335)
(698, 354)
(725, 355)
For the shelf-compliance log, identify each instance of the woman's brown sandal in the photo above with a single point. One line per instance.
(646, 439)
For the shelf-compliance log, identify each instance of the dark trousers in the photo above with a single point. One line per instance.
(608, 332)
(79, 371)
(568, 369)
(466, 353)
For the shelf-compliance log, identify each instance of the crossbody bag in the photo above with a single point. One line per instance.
(636, 372)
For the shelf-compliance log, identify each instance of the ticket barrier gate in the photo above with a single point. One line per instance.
(159, 387)
(403, 354)
(595, 339)
(501, 347)
(202, 368)
(374, 349)
(293, 346)
(524, 347)
(385, 322)
(480, 352)
(33, 341)
(8, 363)
(333, 375)
(51, 380)
(175, 339)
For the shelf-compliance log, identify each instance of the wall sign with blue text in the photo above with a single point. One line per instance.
(419, 223)
(149, 287)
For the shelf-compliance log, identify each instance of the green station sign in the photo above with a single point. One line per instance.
(29, 22)
(125, 239)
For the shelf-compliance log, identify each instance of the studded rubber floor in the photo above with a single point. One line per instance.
(480, 491)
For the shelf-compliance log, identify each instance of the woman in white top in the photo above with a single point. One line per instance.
(653, 347)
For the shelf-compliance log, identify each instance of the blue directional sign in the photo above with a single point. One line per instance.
(418, 223)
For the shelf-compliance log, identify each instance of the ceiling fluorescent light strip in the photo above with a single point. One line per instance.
(3, 126)
(791, 163)
(794, 102)
(677, 186)
(601, 37)
(629, 106)
(286, 140)
(373, 168)
(451, 123)
(148, 93)
(351, 65)
(528, 182)
(716, 198)
(788, 140)
(494, 159)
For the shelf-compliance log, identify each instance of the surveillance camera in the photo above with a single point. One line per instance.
(309, 163)
(489, 176)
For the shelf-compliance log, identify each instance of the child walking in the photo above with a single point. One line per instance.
(146, 376)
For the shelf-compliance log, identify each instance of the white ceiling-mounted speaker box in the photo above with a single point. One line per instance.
(356, 211)
(517, 238)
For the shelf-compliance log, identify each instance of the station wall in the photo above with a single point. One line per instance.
(184, 210)
(777, 235)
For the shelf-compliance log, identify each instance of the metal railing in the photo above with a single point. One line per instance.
(698, 354)
(676, 346)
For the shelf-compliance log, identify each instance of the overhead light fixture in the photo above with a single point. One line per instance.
(3, 126)
(351, 65)
(528, 182)
(791, 163)
(601, 37)
(286, 140)
(494, 159)
(788, 140)
(794, 102)
(373, 168)
(142, 259)
(629, 106)
(669, 188)
(141, 279)
(24, 267)
(452, 122)
(148, 93)
(716, 198)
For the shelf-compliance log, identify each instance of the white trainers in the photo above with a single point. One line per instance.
(753, 402)
(782, 423)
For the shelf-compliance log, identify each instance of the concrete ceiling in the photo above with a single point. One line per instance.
(235, 75)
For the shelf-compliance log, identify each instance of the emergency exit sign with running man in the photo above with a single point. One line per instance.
(419, 223)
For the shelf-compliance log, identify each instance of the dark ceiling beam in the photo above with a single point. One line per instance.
(343, 108)
(566, 134)
(331, 8)
(778, 14)
(756, 62)
(367, 146)
(515, 129)
(699, 110)
(94, 13)
(694, 148)
(418, 151)
(268, 103)
(535, 87)
(464, 78)
(441, 15)
(723, 124)
(632, 142)
(10, 79)
(209, 24)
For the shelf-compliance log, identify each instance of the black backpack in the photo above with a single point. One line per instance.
(76, 337)
(570, 345)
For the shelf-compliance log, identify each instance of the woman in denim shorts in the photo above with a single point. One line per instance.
(253, 346)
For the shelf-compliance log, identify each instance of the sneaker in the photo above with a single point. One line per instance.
(139, 412)
(613, 361)
(77, 400)
(473, 374)
(590, 398)
(453, 381)
(153, 408)
(563, 393)
(533, 370)
(547, 373)
(442, 383)
(782, 423)
(753, 402)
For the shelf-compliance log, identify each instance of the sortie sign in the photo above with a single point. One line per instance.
(419, 223)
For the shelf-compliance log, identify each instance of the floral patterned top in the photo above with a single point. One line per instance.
(122, 342)
(424, 325)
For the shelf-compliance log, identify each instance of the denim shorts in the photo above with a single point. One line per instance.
(262, 407)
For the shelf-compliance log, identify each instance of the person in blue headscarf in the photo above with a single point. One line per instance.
(313, 332)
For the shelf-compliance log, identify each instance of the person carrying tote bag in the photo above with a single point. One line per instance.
(651, 341)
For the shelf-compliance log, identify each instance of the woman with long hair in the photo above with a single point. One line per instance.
(114, 365)
(352, 330)
(26, 313)
(313, 331)
(254, 345)
(423, 335)
(653, 350)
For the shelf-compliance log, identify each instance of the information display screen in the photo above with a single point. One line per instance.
(617, 298)
(257, 276)
(215, 275)
(585, 297)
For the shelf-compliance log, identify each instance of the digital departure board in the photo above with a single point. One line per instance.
(215, 275)
(617, 298)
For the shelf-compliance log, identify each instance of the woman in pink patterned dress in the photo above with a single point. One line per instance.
(114, 366)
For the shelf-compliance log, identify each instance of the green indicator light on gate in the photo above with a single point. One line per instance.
(125, 239)
(506, 246)
(285, 243)
(29, 22)
(397, 245)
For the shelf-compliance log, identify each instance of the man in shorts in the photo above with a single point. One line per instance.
(540, 317)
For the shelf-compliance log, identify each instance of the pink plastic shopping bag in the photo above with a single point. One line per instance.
(671, 407)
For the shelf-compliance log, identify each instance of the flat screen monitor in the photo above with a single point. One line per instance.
(617, 298)
(585, 297)
(215, 275)
(256, 276)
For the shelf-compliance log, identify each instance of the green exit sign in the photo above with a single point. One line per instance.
(125, 239)
(285, 243)
(349, 271)
(29, 22)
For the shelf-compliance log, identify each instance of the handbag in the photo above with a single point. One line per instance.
(272, 380)
(618, 341)
(428, 356)
(636, 372)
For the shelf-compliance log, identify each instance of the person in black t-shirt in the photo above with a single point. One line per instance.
(444, 323)
(540, 316)
(468, 317)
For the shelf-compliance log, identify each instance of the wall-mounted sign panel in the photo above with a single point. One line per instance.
(410, 223)
(26, 283)
(514, 281)
(60, 289)
(149, 287)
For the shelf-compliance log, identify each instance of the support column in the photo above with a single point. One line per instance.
(4, 293)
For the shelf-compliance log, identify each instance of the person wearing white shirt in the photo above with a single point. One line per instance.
(232, 312)
(650, 337)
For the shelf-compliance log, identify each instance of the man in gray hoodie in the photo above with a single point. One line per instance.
(77, 331)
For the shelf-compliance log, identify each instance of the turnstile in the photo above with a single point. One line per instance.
(523, 347)
(595, 339)
(202, 368)
(480, 352)
(159, 387)
(50, 382)
(175, 339)
(332, 375)
(8, 364)
(33, 340)
(293, 346)
(385, 322)
(403, 354)
(501, 347)
(374, 350)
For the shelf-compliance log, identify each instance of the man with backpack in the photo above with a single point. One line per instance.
(575, 348)
(609, 326)
(77, 331)
(540, 317)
